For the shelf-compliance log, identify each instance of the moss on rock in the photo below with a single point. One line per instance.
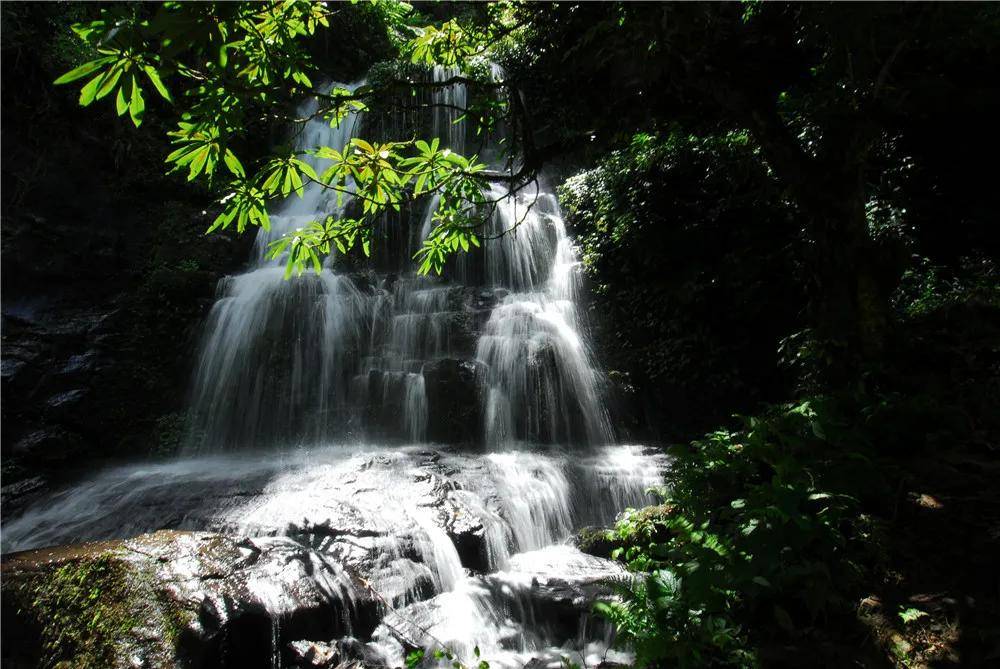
(89, 606)
(170, 599)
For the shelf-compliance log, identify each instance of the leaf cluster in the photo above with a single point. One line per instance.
(227, 62)
(759, 524)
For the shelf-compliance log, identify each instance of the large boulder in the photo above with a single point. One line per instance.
(171, 599)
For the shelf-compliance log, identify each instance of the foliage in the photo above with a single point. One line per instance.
(911, 615)
(829, 95)
(221, 65)
(759, 524)
(696, 227)
(444, 655)
(169, 433)
(926, 287)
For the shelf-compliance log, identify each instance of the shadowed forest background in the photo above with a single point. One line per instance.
(786, 219)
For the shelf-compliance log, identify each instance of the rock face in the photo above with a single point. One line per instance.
(464, 544)
(93, 366)
(313, 653)
(106, 270)
(175, 599)
(453, 400)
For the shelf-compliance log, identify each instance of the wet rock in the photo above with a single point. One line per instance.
(543, 594)
(66, 400)
(351, 649)
(49, 445)
(173, 599)
(485, 299)
(536, 663)
(453, 405)
(464, 526)
(74, 408)
(80, 364)
(594, 541)
(312, 654)
(558, 580)
(11, 367)
(15, 496)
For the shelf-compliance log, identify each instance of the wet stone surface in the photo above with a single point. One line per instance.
(324, 544)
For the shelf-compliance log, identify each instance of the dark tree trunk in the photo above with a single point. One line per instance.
(850, 299)
(851, 302)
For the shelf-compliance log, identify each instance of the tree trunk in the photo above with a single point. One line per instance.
(850, 303)
(851, 306)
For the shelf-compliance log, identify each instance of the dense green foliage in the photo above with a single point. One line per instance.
(776, 226)
(757, 524)
(234, 61)
(676, 318)
(844, 104)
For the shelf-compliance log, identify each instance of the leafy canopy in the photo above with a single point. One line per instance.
(223, 66)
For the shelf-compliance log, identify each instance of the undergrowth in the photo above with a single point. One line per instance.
(760, 524)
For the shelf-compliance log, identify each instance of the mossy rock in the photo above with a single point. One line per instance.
(602, 541)
(596, 541)
(173, 599)
(86, 606)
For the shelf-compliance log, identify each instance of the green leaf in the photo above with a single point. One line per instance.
(273, 181)
(137, 107)
(296, 181)
(110, 81)
(365, 146)
(233, 163)
(154, 78)
(307, 169)
(222, 220)
(198, 162)
(89, 92)
(414, 659)
(83, 70)
(910, 615)
(121, 104)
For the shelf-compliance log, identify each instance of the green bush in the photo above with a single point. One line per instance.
(685, 242)
(760, 525)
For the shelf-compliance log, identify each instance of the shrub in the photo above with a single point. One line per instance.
(761, 524)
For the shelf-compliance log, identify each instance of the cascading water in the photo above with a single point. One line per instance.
(541, 385)
(325, 411)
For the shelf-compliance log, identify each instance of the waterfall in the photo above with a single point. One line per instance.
(541, 384)
(340, 356)
(319, 406)
(275, 352)
(450, 104)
